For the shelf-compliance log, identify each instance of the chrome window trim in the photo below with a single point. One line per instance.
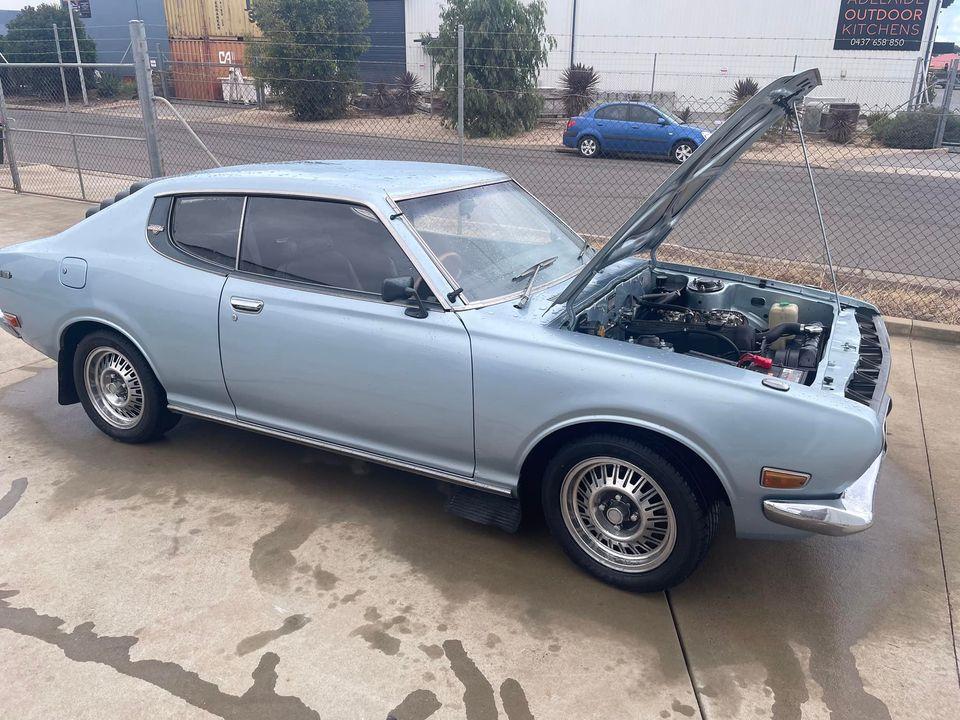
(475, 305)
(452, 188)
(384, 220)
(243, 215)
(347, 450)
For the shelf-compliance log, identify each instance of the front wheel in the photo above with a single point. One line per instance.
(682, 151)
(118, 390)
(626, 514)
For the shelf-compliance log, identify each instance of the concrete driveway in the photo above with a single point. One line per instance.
(219, 573)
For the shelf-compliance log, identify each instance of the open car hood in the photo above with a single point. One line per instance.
(652, 223)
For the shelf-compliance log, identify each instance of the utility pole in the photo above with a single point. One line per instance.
(460, 82)
(141, 61)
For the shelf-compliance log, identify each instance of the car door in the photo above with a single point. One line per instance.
(611, 121)
(308, 346)
(648, 134)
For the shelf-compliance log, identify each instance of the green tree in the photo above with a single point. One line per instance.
(309, 53)
(505, 45)
(29, 38)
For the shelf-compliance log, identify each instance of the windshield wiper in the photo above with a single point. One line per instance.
(532, 273)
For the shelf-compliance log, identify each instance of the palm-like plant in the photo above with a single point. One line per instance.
(743, 90)
(684, 115)
(579, 85)
(408, 93)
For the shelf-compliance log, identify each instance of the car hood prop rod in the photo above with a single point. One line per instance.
(816, 202)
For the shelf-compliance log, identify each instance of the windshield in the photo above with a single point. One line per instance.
(485, 237)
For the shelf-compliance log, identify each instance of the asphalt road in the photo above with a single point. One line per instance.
(885, 218)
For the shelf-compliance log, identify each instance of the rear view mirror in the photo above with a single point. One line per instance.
(401, 288)
(661, 121)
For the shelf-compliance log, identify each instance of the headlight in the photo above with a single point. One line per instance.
(706, 134)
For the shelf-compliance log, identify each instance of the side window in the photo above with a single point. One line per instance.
(328, 243)
(641, 114)
(612, 112)
(207, 227)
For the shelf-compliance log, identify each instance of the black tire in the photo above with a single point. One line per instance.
(153, 420)
(696, 517)
(681, 150)
(588, 146)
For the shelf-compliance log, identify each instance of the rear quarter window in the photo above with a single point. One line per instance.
(208, 227)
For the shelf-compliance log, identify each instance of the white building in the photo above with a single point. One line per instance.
(696, 49)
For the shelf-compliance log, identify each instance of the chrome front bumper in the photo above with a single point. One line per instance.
(851, 513)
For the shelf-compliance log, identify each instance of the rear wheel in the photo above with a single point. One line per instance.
(682, 151)
(626, 514)
(118, 390)
(589, 146)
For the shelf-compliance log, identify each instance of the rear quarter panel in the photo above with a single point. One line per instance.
(169, 310)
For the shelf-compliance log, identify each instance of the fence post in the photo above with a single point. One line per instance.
(945, 107)
(653, 76)
(912, 101)
(141, 60)
(460, 76)
(162, 70)
(76, 49)
(7, 125)
(66, 105)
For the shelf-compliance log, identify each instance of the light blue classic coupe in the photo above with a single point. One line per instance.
(440, 320)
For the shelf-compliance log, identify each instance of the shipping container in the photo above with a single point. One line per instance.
(198, 68)
(200, 19)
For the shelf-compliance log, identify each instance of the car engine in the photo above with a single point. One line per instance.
(689, 315)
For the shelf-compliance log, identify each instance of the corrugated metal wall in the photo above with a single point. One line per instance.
(701, 47)
(108, 28)
(197, 67)
(386, 57)
(210, 18)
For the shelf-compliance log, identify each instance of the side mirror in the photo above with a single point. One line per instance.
(661, 121)
(401, 288)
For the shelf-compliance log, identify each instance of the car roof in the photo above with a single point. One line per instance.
(627, 102)
(362, 180)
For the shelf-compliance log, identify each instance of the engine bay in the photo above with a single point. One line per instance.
(751, 326)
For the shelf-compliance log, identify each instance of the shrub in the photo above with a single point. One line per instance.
(108, 85)
(312, 78)
(579, 86)
(914, 130)
(409, 92)
(842, 125)
(685, 115)
(29, 39)
(506, 45)
(742, 90)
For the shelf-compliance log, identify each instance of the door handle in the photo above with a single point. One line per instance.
(246, 305)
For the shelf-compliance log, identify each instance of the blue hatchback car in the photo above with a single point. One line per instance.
(632, 127)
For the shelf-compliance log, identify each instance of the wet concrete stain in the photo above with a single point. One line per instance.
(433, 652)
(271, 559)
(12, 496)
(258, 640)
(514, 700)
(493, 640)
(351, 597)
(682, 708)
(82, 644)
(418, 705)
(324, 579)
(478, 698)
(375, 631)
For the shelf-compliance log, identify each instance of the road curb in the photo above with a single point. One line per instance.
(922, 329)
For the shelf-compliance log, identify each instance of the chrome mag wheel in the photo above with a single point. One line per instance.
(114, 388)
(682, 152)
(618, 514)
(588, 147)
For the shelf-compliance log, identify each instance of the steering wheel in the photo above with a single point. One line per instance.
(452, 263)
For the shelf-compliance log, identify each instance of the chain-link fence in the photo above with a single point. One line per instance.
(887, 181)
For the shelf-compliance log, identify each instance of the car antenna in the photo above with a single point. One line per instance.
(816, 202)
(454, 294)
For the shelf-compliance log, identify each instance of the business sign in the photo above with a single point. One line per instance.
(881, 24)
(81, 8)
